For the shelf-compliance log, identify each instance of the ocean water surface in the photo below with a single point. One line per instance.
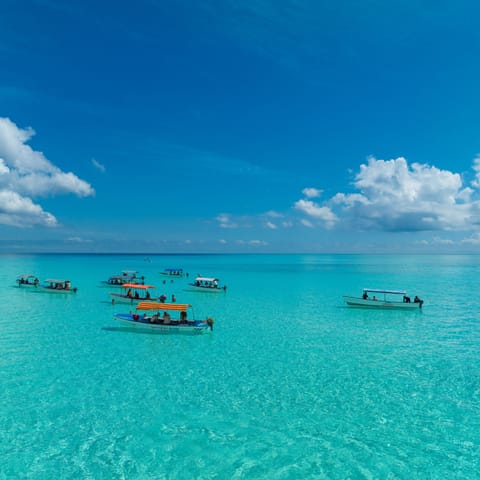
(291, 384)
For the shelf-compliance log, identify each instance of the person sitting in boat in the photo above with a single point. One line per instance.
(147, 295)
(417, 300)
(137, 295)
(183, 317)
(406, 299)
(374, 298)
(166, 317)
(129, 293)
(155, 318)
(365, 296)
(162, 298)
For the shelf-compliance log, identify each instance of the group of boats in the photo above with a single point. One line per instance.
(48, 285)
(152, 313)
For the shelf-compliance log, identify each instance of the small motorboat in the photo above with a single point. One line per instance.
(57, 286)
(387, 299)
(27, 280)
(154, 317)
(127, 276)
(206, 284)
(133, 293)
(174, 272)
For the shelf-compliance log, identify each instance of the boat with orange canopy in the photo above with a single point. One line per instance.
(156, 317)
(133, 293)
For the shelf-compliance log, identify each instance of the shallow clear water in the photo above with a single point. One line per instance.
(290, 384)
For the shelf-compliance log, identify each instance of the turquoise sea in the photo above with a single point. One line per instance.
(291, 384)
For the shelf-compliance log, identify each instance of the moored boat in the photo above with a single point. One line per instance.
(127, 276)
(157, 322)
(57, 286)
(387, 299)
(27, 280)
(206, 284)
(133, 293)
(174, 272)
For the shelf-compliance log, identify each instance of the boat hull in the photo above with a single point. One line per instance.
(195, 327)
(195, 288)
(380, 304)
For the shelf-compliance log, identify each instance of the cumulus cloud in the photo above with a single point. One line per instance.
(396, 197)
(310, 192)
(392, 195)
(322, 214)
(19, 211)
(25, 174)
(270, 225)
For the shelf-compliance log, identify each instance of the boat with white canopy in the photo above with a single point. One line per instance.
(54, 285)
(27, 280)
(384, 299)
(206, 284)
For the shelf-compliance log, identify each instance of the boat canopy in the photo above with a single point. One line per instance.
(163, 306)
(50, 280)
(138, 287)
(206, 279)
(174, 270)
(377, 290)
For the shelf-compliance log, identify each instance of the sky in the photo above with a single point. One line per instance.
(220, 126)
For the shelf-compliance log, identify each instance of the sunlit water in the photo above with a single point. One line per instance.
(291, 384)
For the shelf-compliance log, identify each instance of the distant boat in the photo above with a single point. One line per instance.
(387, 299)
(27, 280)
(174, 272)
(57, 286)
(133, 293)
(127, 276)
(156, 322)
(206, 284)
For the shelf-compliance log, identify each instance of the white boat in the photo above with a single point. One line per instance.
(157, 322)
(174, 272)
(127, 276)
(133, 293)
(384, 299)
(57, 286)
(27, 280)
(206, 284)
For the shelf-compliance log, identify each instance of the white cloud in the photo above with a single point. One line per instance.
(306, 223)
(310, 192)
(26, 173)
(476, 169)
(98, 165)
(19, 211)
(225, 221)
(252, 243)
(319, 213)
(78, 240)
(396, 197)
(271, 225)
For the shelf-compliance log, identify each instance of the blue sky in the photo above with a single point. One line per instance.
(224, 126)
